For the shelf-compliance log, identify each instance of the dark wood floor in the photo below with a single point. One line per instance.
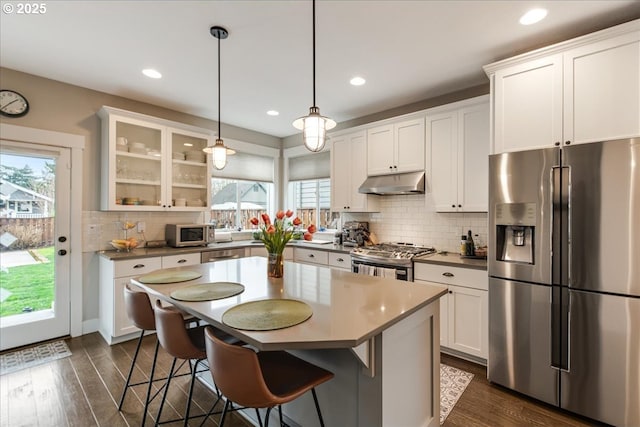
(83, 390)
(485, 404)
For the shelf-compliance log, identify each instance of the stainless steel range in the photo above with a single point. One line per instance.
(387, 259)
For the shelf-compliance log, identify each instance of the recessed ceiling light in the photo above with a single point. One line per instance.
(273, 113)
(357, 81)
(150, 72)
(188, 144)
(533, 16)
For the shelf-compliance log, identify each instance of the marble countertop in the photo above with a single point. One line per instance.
(452, 259)
(154, 252)
(348, 309)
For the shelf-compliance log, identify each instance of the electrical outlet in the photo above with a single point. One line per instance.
(141, 226)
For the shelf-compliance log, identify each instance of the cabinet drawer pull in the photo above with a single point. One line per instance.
(340, 260)
(182, 261)
(450, 292)
(312, 256)
(447, 274)
(138, 266)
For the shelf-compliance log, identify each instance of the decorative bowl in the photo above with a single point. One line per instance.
(126, 244)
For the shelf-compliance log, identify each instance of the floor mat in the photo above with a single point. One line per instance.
(33, 356)
(453, 382)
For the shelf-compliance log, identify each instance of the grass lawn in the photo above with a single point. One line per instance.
(30, 285)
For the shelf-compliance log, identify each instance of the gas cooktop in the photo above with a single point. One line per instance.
(391, 252)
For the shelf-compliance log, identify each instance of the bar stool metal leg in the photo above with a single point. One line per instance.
(153, 370)
(133, 365)
(166, 389)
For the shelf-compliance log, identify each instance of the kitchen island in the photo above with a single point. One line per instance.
(379, 336)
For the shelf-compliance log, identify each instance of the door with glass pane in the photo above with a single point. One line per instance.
(34, 240)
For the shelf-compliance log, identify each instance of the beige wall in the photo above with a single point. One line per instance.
(295, 140)
(72, 109)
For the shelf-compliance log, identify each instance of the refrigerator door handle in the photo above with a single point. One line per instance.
(566, 339)
(565, 250)
(560, 328)
(560, 231)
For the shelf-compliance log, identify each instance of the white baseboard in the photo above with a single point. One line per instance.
(90, 326)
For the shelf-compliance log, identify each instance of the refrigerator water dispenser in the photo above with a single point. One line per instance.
(515, 232)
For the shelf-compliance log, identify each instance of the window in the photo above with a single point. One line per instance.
(244, 188)
(312, 201)
(235, 201)
(310, 188)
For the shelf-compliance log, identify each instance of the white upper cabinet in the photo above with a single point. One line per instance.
(151, 164)
(528, 104)
(396, 147)
(458, 151)
(579, 91)
(602, 90)
(348, 172)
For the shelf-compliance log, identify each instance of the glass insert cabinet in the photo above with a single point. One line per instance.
(153, 164)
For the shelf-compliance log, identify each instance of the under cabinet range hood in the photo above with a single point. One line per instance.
(398, 183)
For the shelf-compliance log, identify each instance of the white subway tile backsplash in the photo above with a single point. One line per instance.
(413, 219)
(108, 227)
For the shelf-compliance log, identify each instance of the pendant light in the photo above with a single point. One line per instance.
(314, 126)
(218, 150)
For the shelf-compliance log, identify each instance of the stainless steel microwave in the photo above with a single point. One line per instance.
(181, 235)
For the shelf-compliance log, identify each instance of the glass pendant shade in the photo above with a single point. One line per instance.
(314, 129)
(219, 152)
(219, 155)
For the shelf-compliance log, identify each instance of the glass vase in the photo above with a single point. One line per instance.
(275, 265)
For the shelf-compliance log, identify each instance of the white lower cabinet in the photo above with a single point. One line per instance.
(115, 325)
(311, 256)
(464, 311)
(338, 260)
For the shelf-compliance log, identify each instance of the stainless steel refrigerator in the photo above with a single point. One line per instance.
(564, 267)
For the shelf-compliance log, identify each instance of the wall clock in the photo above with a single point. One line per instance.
(12, 104)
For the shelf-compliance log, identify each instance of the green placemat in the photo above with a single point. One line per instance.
(267, 315)
(207, 291)
(160, 276)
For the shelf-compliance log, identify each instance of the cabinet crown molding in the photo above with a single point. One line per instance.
(607, 33)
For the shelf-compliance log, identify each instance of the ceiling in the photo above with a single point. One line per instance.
(408, 51)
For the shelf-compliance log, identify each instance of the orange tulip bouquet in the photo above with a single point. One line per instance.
(275, 235)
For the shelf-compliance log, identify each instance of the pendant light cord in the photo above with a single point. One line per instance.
(219, 95)
(314, 52)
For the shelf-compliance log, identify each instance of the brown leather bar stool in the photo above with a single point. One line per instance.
(140, 312)
(185, 344)
(261, 380)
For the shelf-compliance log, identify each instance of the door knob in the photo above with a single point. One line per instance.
(62, 239)
(62, 252)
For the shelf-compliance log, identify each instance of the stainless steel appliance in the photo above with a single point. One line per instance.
(564, 267)
(395, 183)
(355, 233)
(220, 254)
(387, 259)
(182, 235)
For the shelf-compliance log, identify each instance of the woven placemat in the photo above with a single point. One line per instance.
(267, 315)
(208, 291)
(160, 276)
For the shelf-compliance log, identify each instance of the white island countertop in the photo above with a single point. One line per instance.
(348, 309)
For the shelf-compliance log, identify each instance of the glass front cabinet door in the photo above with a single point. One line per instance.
(151, 164)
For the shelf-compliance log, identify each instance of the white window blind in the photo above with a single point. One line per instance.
(247, 166)
(311, 166)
